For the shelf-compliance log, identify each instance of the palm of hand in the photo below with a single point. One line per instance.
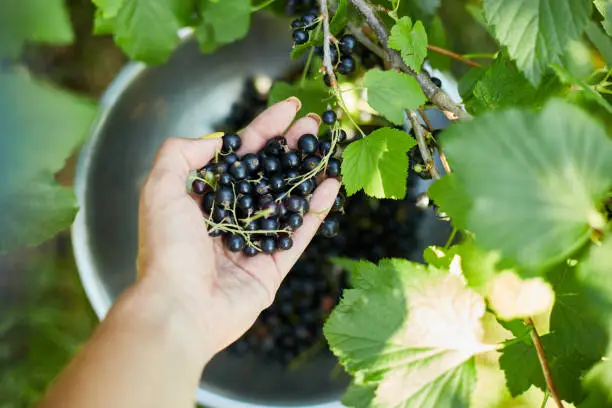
(229, 288)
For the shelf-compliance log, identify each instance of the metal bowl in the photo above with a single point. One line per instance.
(185, 97)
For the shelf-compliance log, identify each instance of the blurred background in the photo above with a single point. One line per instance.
(48, 102)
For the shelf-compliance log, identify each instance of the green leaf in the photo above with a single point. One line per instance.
(109, 8)
(502, 86)
(313, 95)
(378, 164)
(414, 335)
(601, 41)
(391, 92)
(358, 396)
(147, 30)
(536, 32)
(43, 21)
(437, 36)
(520, 364)
(411, 41)
(39, 129)
(581, 87)
(338, 21)
(450, 196)
(537, 185)
(223, 22)
(605, 9)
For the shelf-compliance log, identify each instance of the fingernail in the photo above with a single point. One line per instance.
(315, 117)
(296, 102)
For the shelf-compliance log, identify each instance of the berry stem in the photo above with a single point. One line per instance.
(327, 61)
(419, 134)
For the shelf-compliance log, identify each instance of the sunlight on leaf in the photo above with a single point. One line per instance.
(391, 92)
(512, 297)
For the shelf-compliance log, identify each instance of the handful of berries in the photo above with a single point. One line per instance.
(257, 201)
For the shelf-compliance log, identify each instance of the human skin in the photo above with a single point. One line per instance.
(192, 297)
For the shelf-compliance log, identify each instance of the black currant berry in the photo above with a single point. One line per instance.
(245, 203)
(333, 54)
(277, 183)
(230, 158)
(244, 187)
(250, 251)
(310, 163)
(330, 226)
(224, 195)
(215, 232)
(437, 82)
(308, 143)
(347, 65)
(300, 36)
(324, 147)
(218, 214)
(251, 161)
(327, 79)
(220, 167)
(231, 143)
(263, 187)
(338, 204)
(341, 135)
(308, 20)
(296, 204)
(282, 211)
(305, 187)
(290, 160)
(268, 245)
(208, 201)
(285, 242)
(225, 179)
(271, 165)
(329, 117)
(333, 167)
(198, 187)
(235, 242)
(347, 44)
(297, 23)
(252, 226)
(269, 207)
(291, 175)
(295, 221)
(275, 146)
(268, 224)
(238, 170)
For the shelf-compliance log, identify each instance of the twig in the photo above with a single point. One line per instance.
(365, 40)
(447, 167)
(544, 363)
(453, 55)
(327, 61)
(422, 143)
(432, 92)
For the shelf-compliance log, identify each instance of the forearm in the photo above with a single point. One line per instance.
(148, 352)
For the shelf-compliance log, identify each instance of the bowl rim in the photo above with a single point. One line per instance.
(94, 289)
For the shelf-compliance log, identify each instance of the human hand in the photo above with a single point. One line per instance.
(222, 292)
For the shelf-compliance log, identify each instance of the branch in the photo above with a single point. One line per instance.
(453, 55)
(422, 143)
(365, 40)
(433, 93)
(328, 67)
(544, 363)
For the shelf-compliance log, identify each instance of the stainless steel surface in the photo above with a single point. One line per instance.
(185, 97)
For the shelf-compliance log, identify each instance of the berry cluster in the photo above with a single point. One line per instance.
(341, 53)
(302, 25)
(256, 202)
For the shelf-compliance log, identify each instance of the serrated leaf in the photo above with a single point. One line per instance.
(450, 196)
(410, 41)
(313, 95)
(147, 30)
(391, 92)
(43, 21)
(222, 22)
(358, 396)
(511, 297)
(605, 9)
(414, 336)
(378, 164)
(581, 87)
(536, 32)
(522, 368)
(502, 86)
(39, 129)
(536, 186)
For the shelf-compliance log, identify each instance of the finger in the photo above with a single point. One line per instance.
(271, 122)
(174, 160)
(321, 202)
(308, 124)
